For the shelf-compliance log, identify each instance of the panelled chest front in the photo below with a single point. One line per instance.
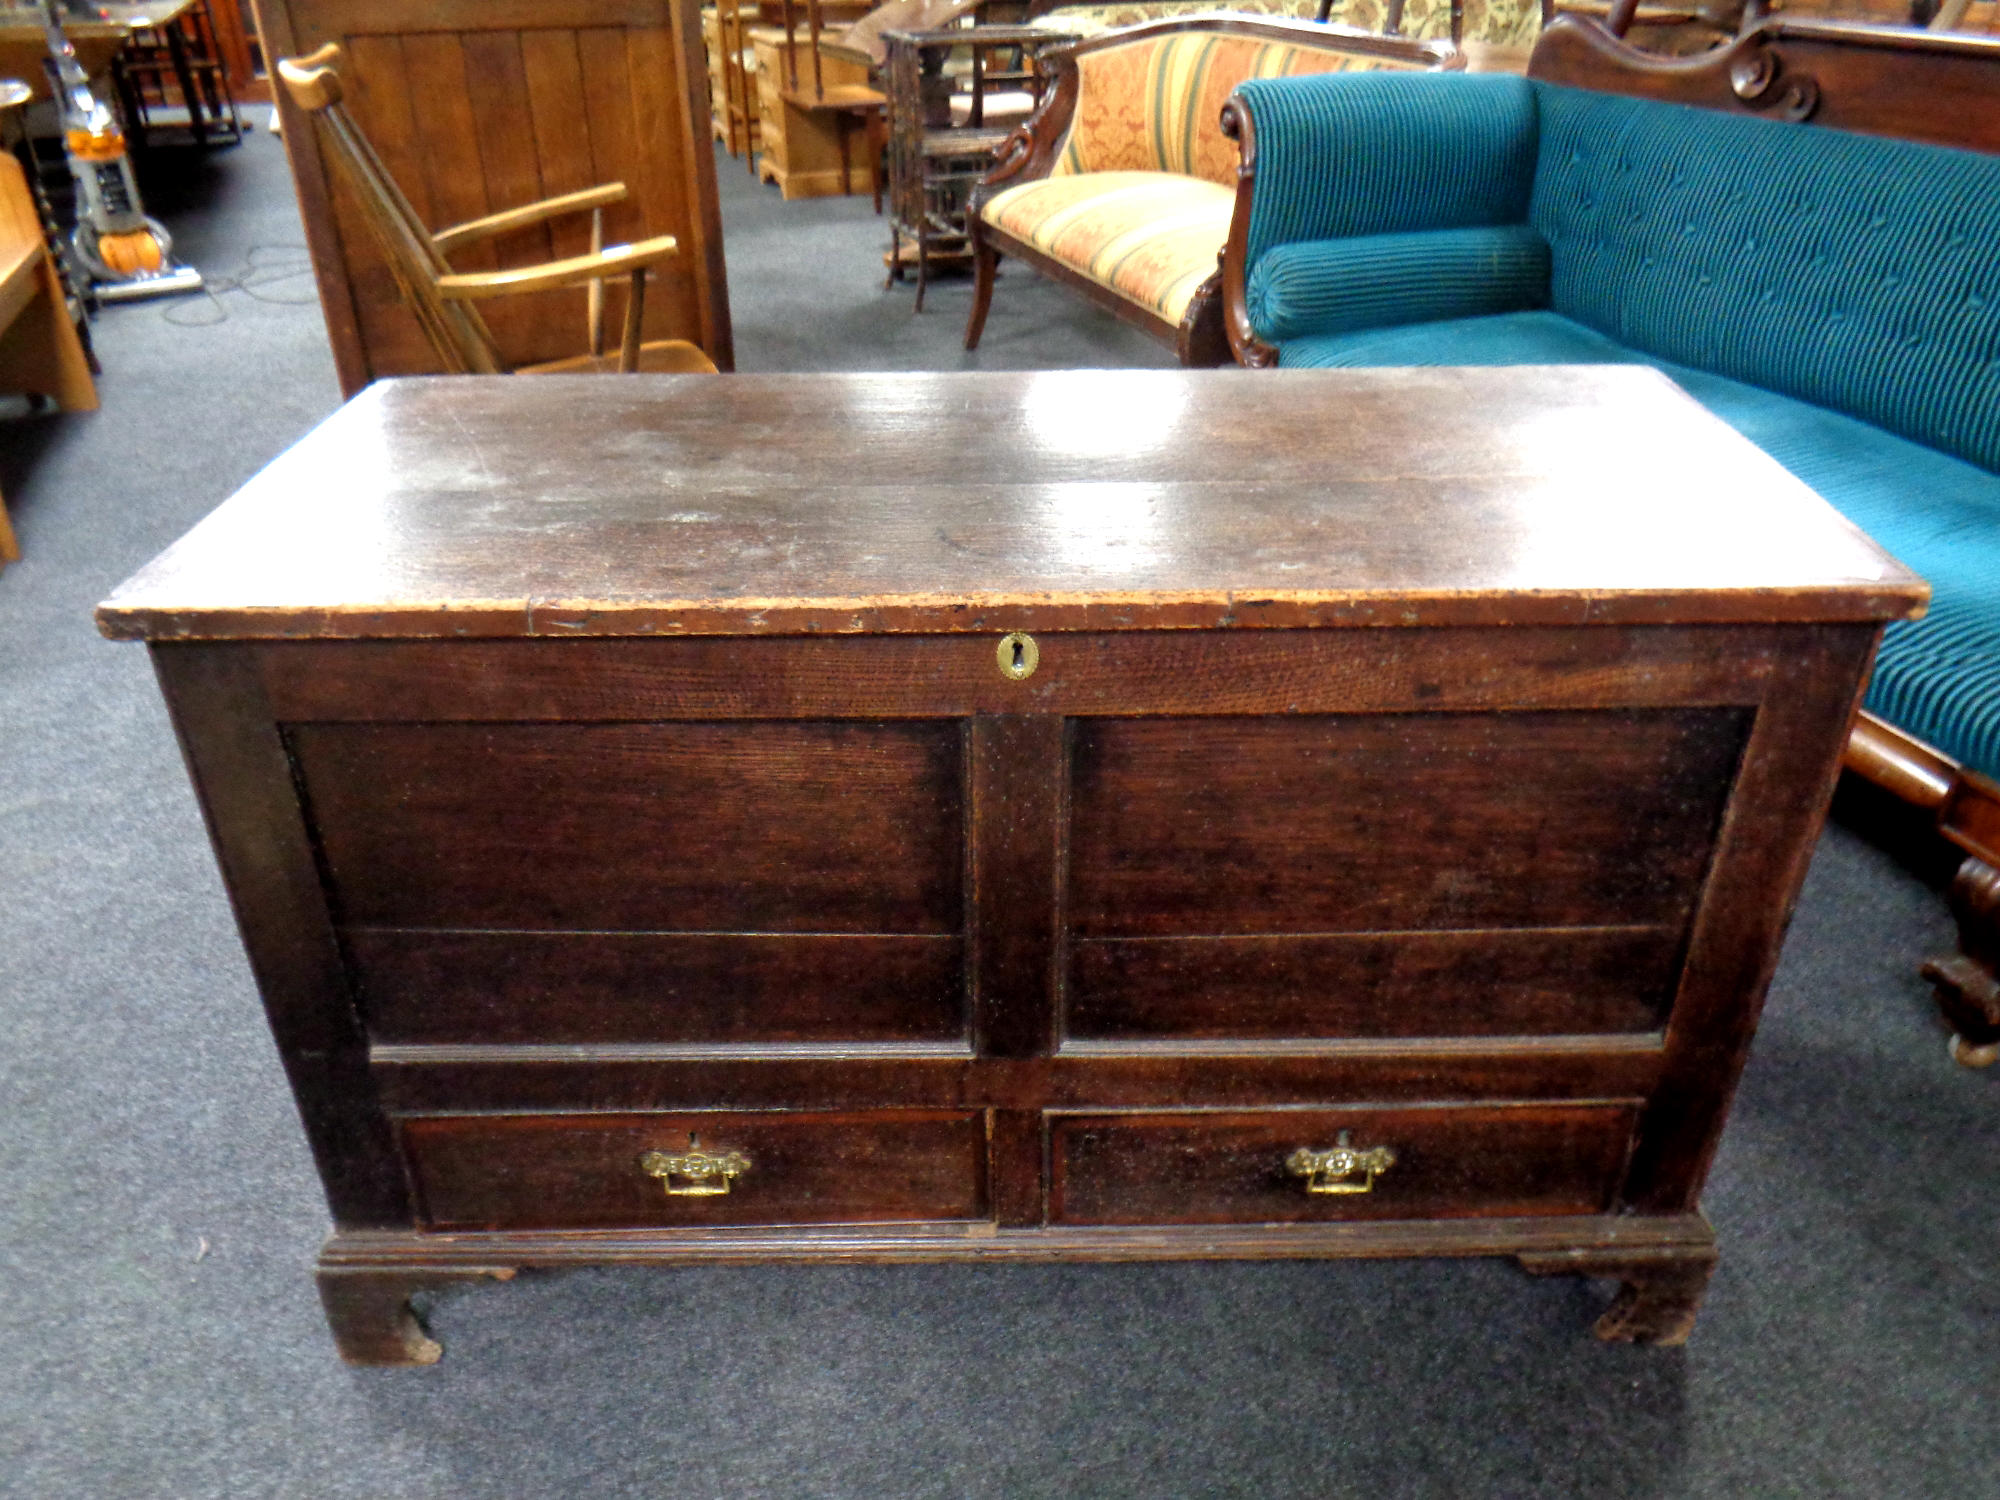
(933, 817)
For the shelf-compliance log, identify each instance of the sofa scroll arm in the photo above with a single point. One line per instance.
(1031, 151)
(1243, 341)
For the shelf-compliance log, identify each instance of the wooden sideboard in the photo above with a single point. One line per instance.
(1107, 815)
(476, 106)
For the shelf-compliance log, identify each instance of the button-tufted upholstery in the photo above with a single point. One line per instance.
(1834, 296)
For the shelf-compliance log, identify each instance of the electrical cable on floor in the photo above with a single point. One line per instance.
(264, 266)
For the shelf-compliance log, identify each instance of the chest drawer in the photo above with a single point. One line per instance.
(1280, 1165)
(699, 1168)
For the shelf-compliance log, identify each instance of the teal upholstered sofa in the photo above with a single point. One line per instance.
(1833, 295)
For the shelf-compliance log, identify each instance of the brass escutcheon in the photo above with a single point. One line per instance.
(1018, 655)
(1336, 1169)
(702, 1174)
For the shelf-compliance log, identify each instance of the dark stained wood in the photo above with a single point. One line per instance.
(1058, 500)
(1518, 982)
(1475, 821)
(1018, 1166)
(1968, 981)
(370, 1315)
(685, 828)
(1964, 810)
(1232, 1168)
(1661, 1289)
(1774, 817)
(1016, 779)
(1912, 85)
(575, 988)
(237, 762)
(414, 1253)
(519, 1079)
(1128, 672)
(554, 1171)
(470, 105)
(1391, 822)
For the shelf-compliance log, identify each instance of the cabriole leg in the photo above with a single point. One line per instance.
(1661, 1294)
(985, 267)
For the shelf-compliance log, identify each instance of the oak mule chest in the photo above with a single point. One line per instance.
(1077, 815)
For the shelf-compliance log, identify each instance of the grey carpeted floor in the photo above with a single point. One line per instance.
(158, 1212)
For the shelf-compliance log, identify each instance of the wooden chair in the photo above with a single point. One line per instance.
(736, 62)
(850, 104)
(441, 299)
(40, 353)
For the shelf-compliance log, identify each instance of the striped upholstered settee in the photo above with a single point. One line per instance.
(1505, 23)
(1802, 229)
(1121, 183)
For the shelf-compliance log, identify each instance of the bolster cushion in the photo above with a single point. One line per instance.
(1337, 286)
(1388, 153)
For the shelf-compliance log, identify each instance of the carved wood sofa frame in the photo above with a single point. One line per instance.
(1925, 86)
(1034, 148)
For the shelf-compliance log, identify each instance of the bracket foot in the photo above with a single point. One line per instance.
(1661, 1294)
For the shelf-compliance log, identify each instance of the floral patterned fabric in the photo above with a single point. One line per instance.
(1156, 106)
(1092, 20)
(1152, 237)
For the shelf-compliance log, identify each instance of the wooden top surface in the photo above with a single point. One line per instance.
(789, 504)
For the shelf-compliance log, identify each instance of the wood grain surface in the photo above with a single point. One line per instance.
(1231, 1167)
(547, 1171)
(1064, 500)
(643, 827)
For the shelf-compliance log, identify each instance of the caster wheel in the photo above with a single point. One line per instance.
(1965, 1054)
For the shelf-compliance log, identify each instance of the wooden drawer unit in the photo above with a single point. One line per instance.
(1100, 816)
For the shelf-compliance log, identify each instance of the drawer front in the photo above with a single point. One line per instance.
(1448, 1161)
(615, 1171)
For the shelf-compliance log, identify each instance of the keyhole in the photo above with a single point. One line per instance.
(1018, 655)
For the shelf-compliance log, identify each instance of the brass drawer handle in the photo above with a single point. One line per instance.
(1341, 1168)
(700, 1174)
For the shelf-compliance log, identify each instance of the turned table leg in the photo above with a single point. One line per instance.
(1968, 982)
(370, 1314)
(1661, 1294)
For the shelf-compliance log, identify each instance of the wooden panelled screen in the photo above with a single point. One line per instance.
(481, 105)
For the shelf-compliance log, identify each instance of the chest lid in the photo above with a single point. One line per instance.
(1100, 500)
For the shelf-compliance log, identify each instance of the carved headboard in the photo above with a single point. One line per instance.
(1935, 87)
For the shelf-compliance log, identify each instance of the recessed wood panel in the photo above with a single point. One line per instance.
(1450, 1162)
(584, 1171)
(565, 988)
(1395, 821)
(1528, 982)
(748, 827)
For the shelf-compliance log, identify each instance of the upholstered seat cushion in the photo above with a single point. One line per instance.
(1152, 237)
(1937, 678)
